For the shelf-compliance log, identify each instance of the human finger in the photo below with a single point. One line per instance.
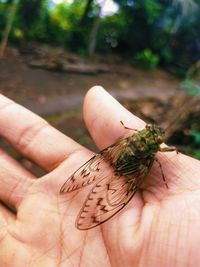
(102, 115)
(33, 136)
(14, 180)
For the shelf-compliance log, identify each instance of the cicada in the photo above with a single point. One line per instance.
(117, 173)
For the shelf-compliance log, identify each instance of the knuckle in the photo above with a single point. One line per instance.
(29, 134)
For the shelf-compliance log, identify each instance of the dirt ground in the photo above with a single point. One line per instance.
(57, 96)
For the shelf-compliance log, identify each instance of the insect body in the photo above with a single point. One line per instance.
(118, 172)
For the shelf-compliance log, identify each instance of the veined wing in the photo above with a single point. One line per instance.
(83, 176)
(95, 168)
(109, 196)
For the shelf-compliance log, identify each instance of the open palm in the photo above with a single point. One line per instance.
(159, 227)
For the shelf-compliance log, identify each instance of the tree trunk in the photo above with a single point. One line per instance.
(93, 37)
(94, 31)
(84, 17)
(8, 27)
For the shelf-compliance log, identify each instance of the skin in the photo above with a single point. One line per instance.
(159, 227)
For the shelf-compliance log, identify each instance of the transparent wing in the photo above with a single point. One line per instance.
(109, 196)
(95, 168)
(83, 176)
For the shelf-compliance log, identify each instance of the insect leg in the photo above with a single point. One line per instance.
(127, 128)
(148, 169)
(162, 173)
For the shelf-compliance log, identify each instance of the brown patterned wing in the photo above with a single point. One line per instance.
(84, 175)
(108, 197)
(94, 169)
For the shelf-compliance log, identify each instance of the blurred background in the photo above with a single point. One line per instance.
(146, 53)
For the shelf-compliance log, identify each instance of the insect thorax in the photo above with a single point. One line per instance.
(147, 141)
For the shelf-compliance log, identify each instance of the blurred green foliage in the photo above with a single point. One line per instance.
(146, 59)
(194, 147)
(149, 31)
(191, 87)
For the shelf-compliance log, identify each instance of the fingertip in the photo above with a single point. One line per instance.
(103, 113)
(96, 101)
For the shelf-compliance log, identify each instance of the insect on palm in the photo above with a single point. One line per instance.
(117, 172)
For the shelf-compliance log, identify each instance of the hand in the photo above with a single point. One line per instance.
(158, 227)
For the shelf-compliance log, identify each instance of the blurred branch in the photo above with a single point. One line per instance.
(188, 106)
(8, 27)
(194, 70)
